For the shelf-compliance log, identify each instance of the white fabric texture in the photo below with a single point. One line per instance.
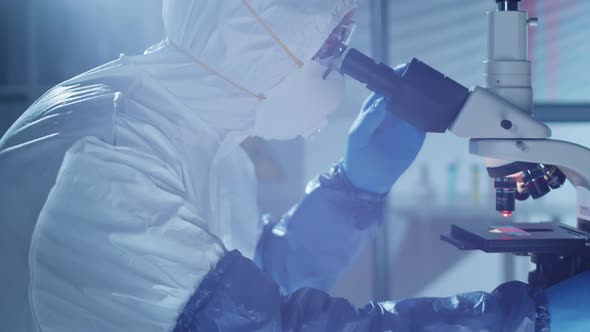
(131, 248)
(124, 184)
(300, 105)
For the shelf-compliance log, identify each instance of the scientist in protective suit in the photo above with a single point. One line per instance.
(128, 204)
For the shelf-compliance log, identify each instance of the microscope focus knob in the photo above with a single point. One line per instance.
(506, 124)
(533, 22)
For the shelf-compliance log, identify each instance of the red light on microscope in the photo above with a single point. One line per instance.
(506, 214)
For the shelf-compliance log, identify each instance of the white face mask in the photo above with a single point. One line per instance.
(299, 105)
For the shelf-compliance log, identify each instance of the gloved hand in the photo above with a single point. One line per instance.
(569, 304)
(380, 147)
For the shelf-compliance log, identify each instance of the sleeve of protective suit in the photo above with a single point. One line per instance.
(118, 246)
(237, 296)
(317, 239)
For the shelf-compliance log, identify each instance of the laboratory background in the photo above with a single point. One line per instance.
(46, 42)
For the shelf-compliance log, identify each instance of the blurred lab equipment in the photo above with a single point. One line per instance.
(425, 191)
(475, 184)
(452, 183)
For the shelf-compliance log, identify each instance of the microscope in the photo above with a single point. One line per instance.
(499, 122)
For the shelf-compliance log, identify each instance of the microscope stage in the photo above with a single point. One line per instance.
(521, 238)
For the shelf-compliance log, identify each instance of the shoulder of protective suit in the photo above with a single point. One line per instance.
(68, 111)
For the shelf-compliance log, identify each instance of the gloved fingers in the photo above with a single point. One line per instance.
(373, 97)
(400, 130)
(397, 134)
(367, 122)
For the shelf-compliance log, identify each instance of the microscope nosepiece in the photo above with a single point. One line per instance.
(535, 182)
(554, 176)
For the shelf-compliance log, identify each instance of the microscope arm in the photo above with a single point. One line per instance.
(433, 102)
(487, 115)
(496, 127)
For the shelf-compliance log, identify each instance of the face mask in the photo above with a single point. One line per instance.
(299, 105)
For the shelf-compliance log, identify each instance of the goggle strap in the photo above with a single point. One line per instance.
(215, 72)
(274, 36)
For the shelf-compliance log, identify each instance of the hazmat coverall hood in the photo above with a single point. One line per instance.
(125, 185)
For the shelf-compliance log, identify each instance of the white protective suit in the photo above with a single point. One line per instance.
(123, 187)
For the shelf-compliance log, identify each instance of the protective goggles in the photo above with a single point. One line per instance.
(339, 37)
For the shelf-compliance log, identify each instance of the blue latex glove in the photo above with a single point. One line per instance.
(315, 242)
(569, 304)
(380, 147)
